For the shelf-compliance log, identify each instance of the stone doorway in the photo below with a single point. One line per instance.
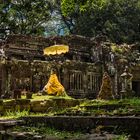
(136, 87)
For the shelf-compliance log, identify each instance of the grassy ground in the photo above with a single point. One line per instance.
(85, 102)
(46, 97)
(86, 108)
(125, 107)
(41, 97)
(132, 101)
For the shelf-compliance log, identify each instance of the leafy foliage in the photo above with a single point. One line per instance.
(25, 16)
(117, 19)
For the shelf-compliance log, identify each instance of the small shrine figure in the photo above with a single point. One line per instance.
(126, 79)
(112, 57)
(54, 87)
(106, 88)
(2, 52)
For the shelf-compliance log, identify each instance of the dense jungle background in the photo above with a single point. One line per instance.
(119, 20)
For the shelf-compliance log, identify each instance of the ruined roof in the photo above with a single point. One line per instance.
(49, 40)
(33, 45)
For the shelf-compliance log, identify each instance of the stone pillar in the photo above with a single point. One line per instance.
(66, 81)
(8, 81)
(116, 85)
(85, 80)
(4, 79)
(126, 79)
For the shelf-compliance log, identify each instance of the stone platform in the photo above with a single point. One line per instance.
(42, 106)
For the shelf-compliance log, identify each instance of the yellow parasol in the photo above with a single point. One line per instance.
(56, 49)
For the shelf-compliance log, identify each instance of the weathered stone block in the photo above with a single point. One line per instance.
(63, 103)
(22, 104)
(9, 105)
(1, 107)
(22, 101)
(39, 106)
(51, 104)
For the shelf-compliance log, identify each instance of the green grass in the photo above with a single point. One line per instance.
(19, 114)
(122, 137)
(85, 102)
(124, 107)
(133, 101)
(15, 114)
(41, 97)
(7, 100)
(46, 97)
(130, 107)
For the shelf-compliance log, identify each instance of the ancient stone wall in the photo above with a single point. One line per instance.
(26, 67)
(28, 47)
(80, 79)
(80, 70)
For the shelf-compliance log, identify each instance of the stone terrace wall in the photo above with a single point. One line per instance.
(43, 106)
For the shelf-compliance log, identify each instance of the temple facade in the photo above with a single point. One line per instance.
(24, 66)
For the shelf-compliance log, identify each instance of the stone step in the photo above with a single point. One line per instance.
(6, 124)
(87, 123)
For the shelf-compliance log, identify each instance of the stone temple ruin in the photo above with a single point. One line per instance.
(23, 65)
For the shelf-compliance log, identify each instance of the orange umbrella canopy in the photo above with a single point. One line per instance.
(56, 49)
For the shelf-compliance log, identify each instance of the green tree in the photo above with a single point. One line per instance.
(25, 16)
(117, 19)
(31, 17)
(3, 18)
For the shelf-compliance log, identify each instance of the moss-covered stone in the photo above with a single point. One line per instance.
(106, 88)
(1, 107)
(41, 105)
(22, 104)
(9, 105)
(51, 104)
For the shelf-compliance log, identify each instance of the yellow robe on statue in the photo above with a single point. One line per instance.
(54, 87)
